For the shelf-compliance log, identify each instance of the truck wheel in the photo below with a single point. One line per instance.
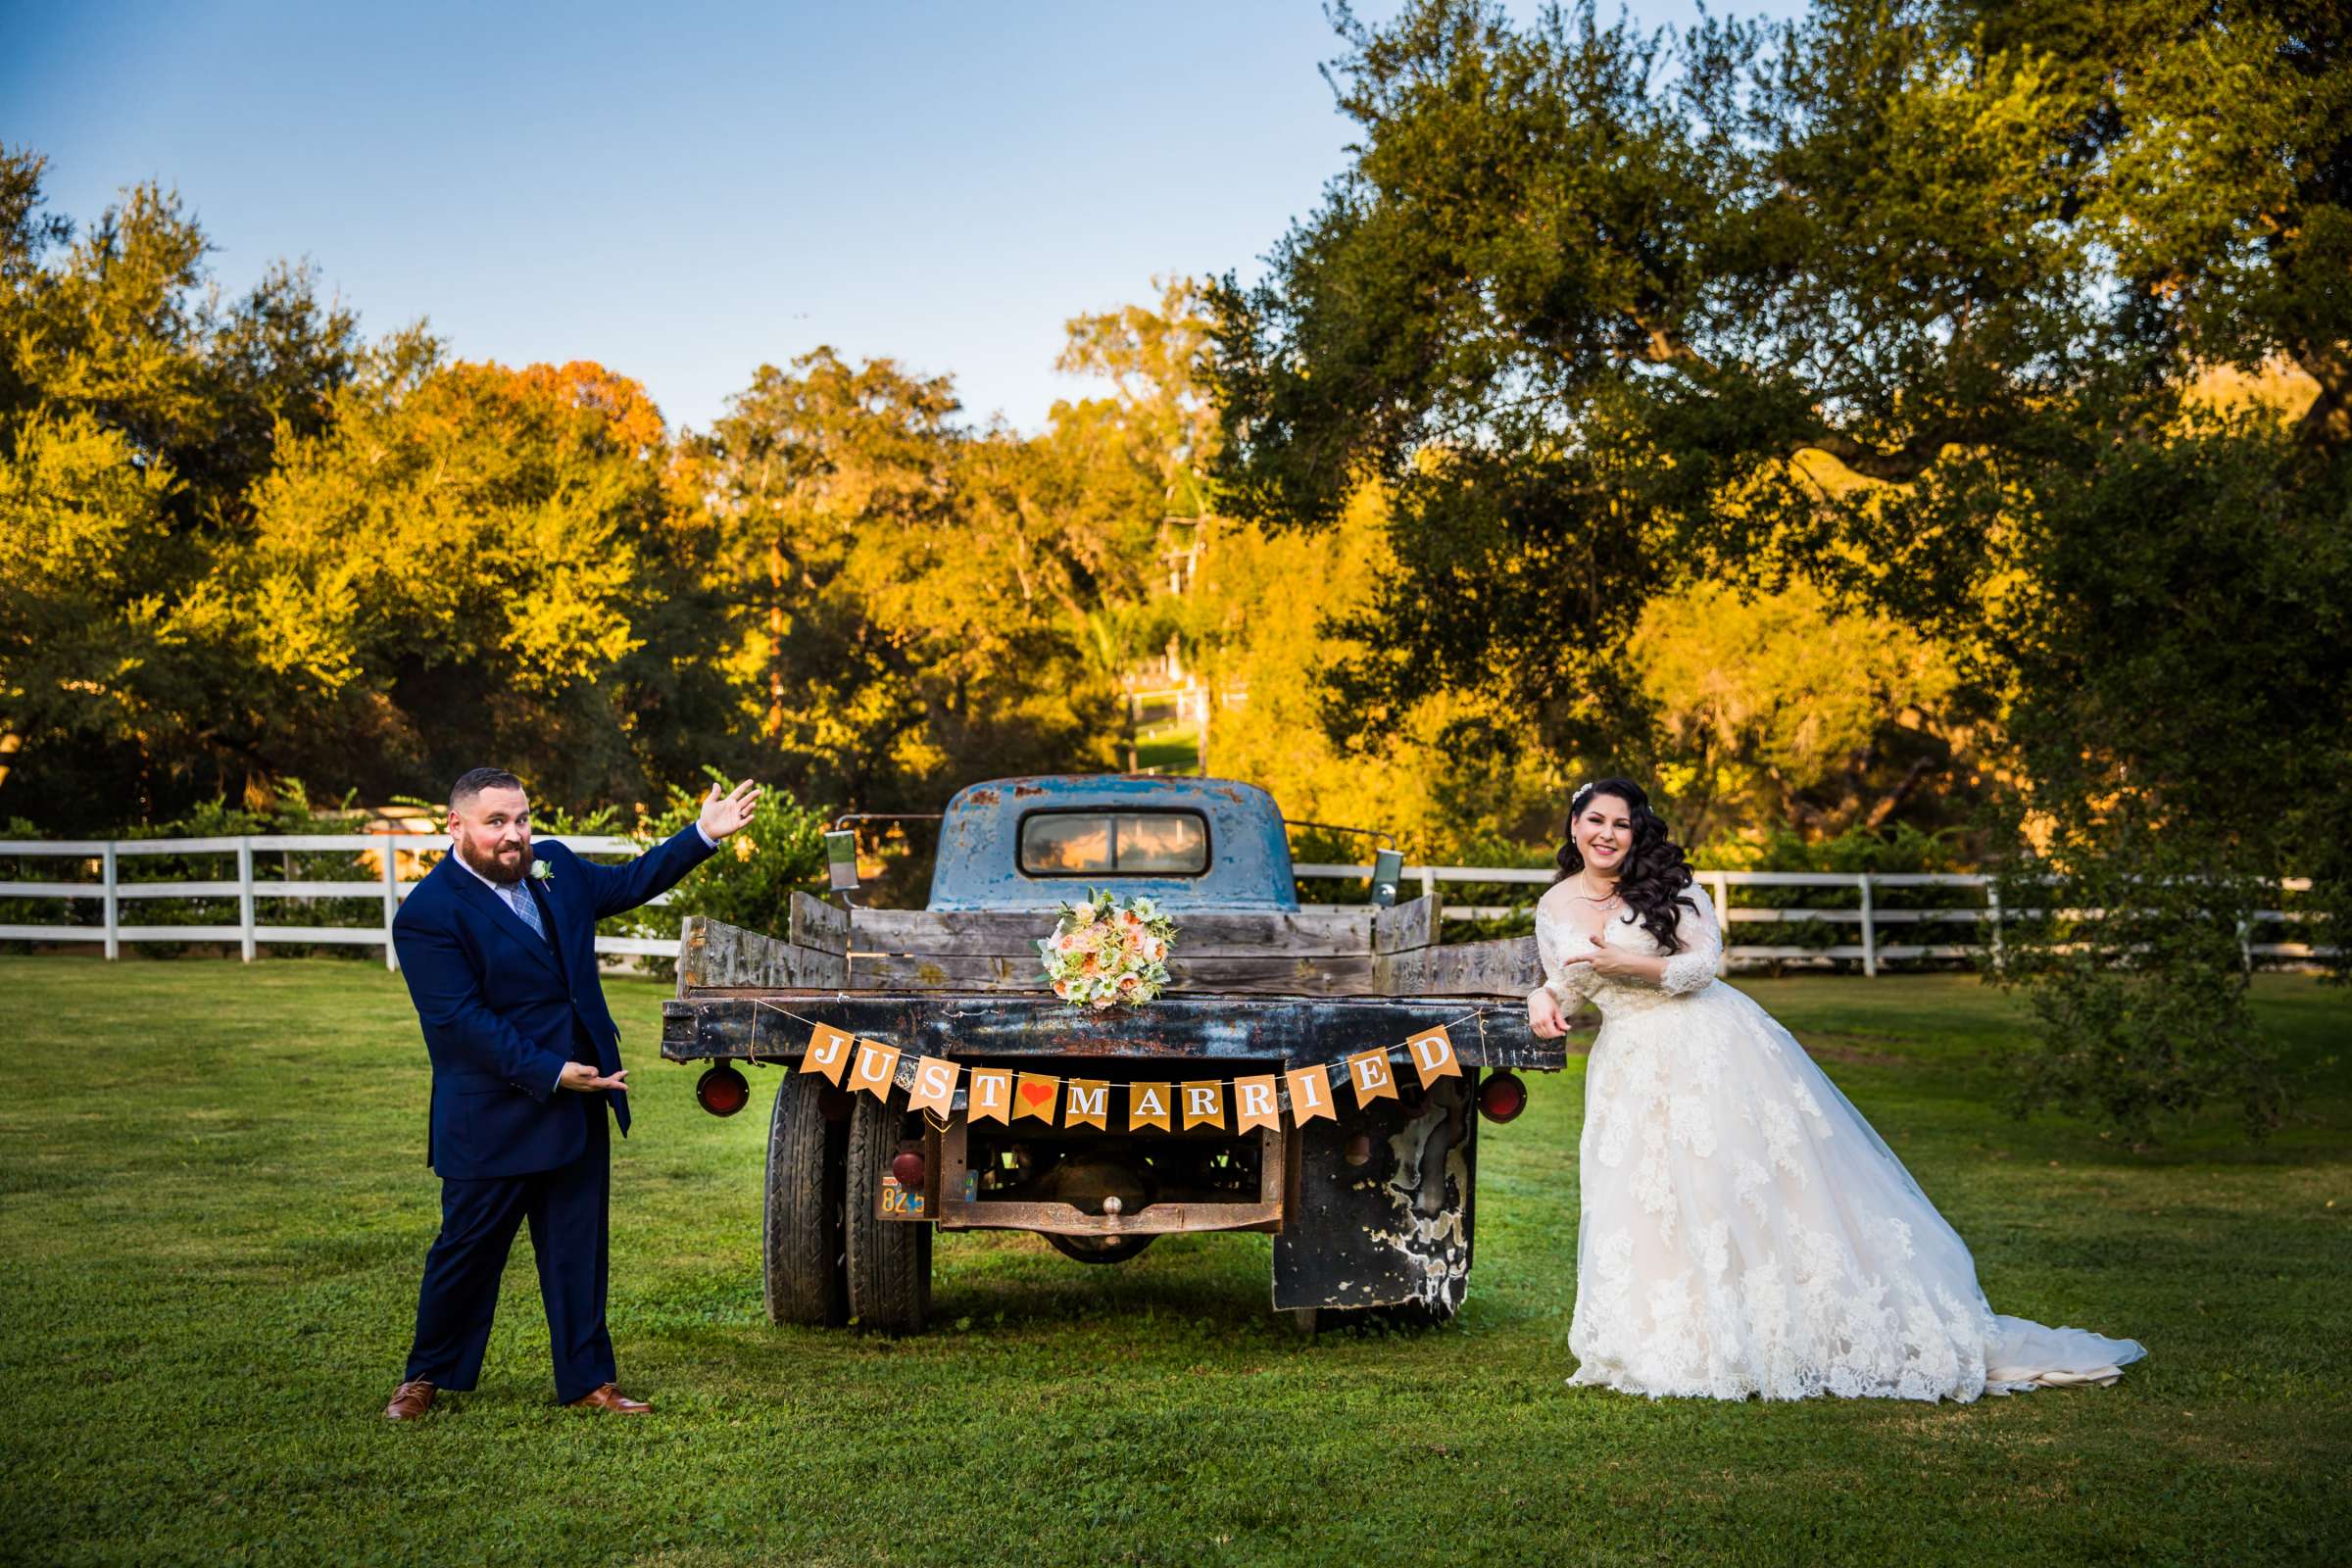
(800, 1241)
(890, 1259)
(1099, 1249)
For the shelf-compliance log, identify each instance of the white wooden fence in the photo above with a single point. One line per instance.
(390, 883)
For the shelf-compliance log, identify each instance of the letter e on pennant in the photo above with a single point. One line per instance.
(1368, 1071)
(1433, 1055)
(827, 1053)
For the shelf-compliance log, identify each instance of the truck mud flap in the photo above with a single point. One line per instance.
(1395, 1230)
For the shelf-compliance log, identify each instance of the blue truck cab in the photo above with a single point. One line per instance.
(1039, 843)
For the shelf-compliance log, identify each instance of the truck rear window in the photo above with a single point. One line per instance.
(1114, 843)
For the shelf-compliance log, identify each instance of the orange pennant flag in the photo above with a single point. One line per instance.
(1368, 1074)
(934, 1085)
(1033, 1095)
(992, 1096)
(1088, 1105)
(877, 1067)
(1310, 1094)
(827, 1053)
(1204, 1104)
(1433, 1055)
(1254, 1104)
(1148, 1106)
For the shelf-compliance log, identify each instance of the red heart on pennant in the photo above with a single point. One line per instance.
(1037, 1094)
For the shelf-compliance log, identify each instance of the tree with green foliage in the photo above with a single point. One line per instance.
(1905, 301)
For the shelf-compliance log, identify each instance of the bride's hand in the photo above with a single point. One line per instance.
(1609, 960)
(1544, 1015)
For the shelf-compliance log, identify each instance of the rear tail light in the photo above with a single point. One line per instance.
(1501, 1096)
(909, 1169)
(722, 1091)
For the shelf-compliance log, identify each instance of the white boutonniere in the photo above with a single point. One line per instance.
(542, 872)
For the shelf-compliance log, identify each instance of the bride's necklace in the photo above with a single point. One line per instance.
(1604, 899)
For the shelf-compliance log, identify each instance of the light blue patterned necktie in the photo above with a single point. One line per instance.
(523, 904)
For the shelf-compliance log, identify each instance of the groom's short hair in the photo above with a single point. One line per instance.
(474, 780)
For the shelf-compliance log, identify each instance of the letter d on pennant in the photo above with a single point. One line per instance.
(827, 1053)
(1433, 1055)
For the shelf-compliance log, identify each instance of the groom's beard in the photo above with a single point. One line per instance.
(505, 873)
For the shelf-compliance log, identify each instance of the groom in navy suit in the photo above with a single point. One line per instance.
(499, 947)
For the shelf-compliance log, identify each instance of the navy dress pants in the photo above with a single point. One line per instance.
(567, 1208)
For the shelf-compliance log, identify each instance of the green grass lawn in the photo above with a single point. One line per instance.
(213, 1215)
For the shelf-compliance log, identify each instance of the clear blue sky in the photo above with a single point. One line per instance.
(683, 192)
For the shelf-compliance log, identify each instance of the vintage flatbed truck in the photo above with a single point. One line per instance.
(1371, 1209)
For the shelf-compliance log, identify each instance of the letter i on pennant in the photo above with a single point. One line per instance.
(934, 1088)
(1433, 1055)
(1310, 1094)
(878, 1068)
(992, 1096)
(827, 1053)
(1148, 1106)
(1368, 1072)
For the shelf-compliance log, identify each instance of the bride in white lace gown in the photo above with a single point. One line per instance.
(1743, 1229)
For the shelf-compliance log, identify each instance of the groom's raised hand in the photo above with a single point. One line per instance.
(723, 814)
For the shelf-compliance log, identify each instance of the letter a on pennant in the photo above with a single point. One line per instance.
(1310, 1094)
(1148, 1106)
(1033, 1095)
(827, 1053)
(1433, 1055)
(877, 1066)
(992, 1096)
(1254, 1104)
(1368, 1071)
(1088, 1105)
(934, 1088)
(1204, 1104)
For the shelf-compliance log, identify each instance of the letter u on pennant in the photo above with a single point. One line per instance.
(878, 1068)
(827, 1053)
(1310, 1094)
(1433, 1055)
(1368, 1071)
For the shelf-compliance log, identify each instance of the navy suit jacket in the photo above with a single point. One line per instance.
(503, 1011)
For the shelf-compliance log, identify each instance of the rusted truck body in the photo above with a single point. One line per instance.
(1371, 1209)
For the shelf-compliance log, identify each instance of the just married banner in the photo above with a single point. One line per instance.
(1237, 1105)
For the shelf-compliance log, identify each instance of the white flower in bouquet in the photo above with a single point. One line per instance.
(1106, 952)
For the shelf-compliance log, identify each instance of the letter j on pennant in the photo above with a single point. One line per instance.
(827, 1053)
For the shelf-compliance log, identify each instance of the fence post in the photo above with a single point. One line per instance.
(1723, 923)
(1429, 882)
(245, 920)
(1992, 908)
(391, 898)
(1870, 933)
(113, 907)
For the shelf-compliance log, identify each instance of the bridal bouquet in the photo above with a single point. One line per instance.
(1108, 951)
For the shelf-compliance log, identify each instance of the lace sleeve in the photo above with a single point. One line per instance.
(1568, 985)
(1694, 968)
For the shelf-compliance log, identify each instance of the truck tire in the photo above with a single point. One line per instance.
(804, 1276)
(890, 1259)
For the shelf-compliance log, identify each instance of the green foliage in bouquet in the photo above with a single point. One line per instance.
(1108, 950)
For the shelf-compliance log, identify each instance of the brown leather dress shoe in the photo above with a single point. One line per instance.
(610, 1398)
(410, 1400)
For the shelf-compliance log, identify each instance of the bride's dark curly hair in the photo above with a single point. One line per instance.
(1654, 874)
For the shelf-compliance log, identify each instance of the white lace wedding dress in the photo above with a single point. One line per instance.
(1743, 1229)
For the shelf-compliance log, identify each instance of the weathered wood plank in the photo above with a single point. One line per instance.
(1278, 975)
(1408, 925)
(1504, 967)
(817, 924)
(712, 952)
(1317, 931)
(1293, 1031)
